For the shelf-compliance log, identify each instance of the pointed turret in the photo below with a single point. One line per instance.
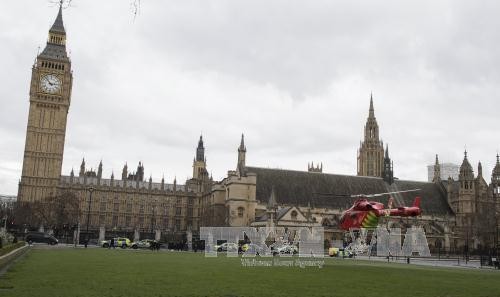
(200, 150)
(495, 174)
(241, 156)
(272, 204)
(371, 112)
(242, 144)
(58, 26)
(466, 172)
(72, 174)
(388, 172)
(479, 170)
(437, 171)
(99, 170)
(125, 171)
(82, 168)
(140, 172)
(496, 170)
(163, 182)
(56, 44)
(466, 176)
(371, 127)
(200, 162)
(272, 207)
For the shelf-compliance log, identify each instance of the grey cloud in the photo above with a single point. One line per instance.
(294, 76)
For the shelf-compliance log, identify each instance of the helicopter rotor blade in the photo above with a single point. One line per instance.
(383, 194)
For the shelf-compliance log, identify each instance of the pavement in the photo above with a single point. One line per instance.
(435, 262)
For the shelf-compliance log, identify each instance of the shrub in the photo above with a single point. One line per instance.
(9, 248)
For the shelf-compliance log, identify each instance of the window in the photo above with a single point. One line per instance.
(294, 215)
(102, 220)
(128, 221)
(241, 210)
(141, 209)
(129, 207)
(115, 221)
(165, 222)
(116, 206)
(141, 221)
(177, 224)
(178, 211)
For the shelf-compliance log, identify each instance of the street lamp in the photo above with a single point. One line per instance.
(91, 189)
(153, 218)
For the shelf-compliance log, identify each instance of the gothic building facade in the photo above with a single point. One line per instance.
(456, 213)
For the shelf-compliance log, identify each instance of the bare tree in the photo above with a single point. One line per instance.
(58, 213)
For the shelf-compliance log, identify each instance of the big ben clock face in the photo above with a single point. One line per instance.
(50, 83)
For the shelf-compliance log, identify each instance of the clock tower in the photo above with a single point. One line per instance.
(50, 93)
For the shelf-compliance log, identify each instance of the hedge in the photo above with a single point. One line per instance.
(9, 248)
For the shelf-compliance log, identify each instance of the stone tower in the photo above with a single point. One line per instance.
(495, 186)
(371, 151)
(199, 162)
(466, 194)
(495, 178)
(437, 171)
(242, 150)
(50, 94)
(388, 172)
(271, 209)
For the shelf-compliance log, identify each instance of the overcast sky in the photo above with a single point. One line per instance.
(294, 76)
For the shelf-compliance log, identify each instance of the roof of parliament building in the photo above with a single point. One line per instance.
(301, 188)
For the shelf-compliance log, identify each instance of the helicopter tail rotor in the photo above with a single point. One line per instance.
(416, 203)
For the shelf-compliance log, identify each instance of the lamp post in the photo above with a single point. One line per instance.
(91, 189)
(153, 219)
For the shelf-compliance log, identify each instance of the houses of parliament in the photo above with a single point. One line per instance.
(456, 213)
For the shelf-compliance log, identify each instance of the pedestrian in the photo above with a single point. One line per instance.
(112, 243)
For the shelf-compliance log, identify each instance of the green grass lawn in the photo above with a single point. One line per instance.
(102, 272)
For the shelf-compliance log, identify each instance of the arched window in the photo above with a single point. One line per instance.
(241, 211)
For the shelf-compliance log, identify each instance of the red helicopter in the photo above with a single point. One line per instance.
(365, 214)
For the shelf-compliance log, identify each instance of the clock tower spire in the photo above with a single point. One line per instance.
(49, 97)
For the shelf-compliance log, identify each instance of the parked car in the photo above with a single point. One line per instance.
(286, 249)
(142, 244)
(118, 242)
(227, 246)
(339, 252)
(251, 248)
(41, 237)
